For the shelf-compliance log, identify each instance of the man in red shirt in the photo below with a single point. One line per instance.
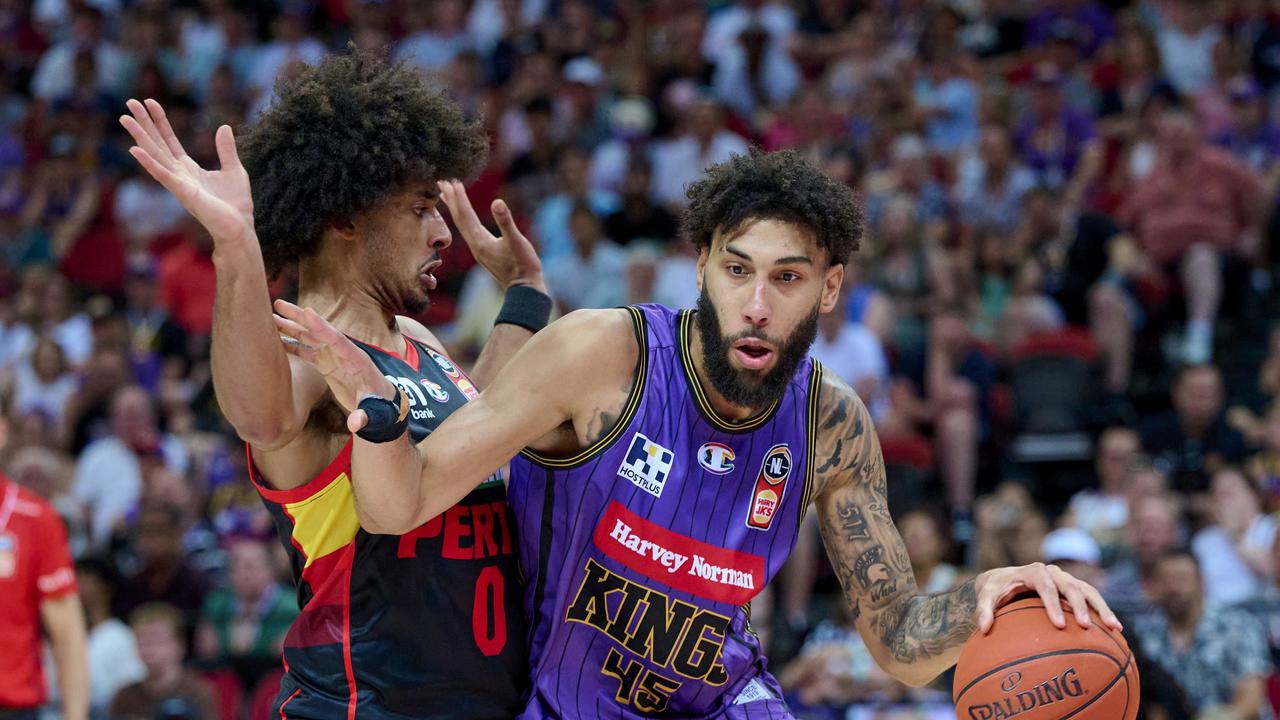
(38, 587)
(1199, 208)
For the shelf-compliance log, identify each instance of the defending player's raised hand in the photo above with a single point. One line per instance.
(347, 369)
(1051, 583)
(510, 258)
(219, 199)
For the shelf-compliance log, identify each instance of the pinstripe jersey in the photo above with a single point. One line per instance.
(643, 552)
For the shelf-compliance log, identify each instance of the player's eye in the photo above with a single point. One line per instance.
(789, 277)
(737, 270)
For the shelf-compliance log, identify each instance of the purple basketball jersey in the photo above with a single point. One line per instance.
(643, 552)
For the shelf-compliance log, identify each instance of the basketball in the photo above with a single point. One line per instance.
(1029, 669)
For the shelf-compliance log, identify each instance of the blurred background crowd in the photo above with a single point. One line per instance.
(1059, 317)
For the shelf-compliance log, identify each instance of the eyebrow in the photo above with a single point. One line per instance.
(788, 260)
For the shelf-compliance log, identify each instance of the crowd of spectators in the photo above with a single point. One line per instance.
(1058, 317)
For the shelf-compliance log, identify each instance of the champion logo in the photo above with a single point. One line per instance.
(716, 458)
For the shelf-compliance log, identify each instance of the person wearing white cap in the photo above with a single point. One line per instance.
(1076, 552)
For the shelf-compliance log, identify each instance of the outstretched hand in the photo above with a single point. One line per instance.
(1051, 583)
(347, 369)
(510, 259)
(219, 199)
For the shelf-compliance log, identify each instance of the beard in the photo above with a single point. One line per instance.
(403, 295)
(743, 387)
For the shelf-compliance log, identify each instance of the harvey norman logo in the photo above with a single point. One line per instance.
(712, 572)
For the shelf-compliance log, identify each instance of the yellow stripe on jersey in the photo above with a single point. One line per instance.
(326, 521)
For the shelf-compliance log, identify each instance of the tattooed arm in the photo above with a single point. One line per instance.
(914, 637)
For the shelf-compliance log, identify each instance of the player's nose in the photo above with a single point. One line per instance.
(758, 311)
(439, 236)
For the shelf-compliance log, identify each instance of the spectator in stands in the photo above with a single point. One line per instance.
(908, 176)
(158, 346)
(639, 218)
(574, 279)
(1194, 216)
(551, 223)
(1103, 511)
(108, 477)
(705, 141)
(927, 547)
(1076, 552)
(249, 619)
(187, 283)
(169, 689)
(161, 569)
(89, 410)
(38, 585)
(437, 34)
(1253, 137)
(1186, 35)
(1154, 530)
(113, 650)
(855, 355)
(1057, 142)
(55, 73)
(1235, 552)
(45, 384)
(990, 184)
(1218, 655)
(1192, 440)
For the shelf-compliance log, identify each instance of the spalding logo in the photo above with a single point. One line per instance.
(1053, 690)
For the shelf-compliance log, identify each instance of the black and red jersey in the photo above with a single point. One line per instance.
(422, 625)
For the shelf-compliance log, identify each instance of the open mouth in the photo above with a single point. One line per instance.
(427, 276)
(753, 354)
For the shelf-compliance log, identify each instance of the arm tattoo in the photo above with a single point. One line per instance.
(927, 626)
(866, 550)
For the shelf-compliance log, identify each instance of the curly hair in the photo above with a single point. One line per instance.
(773, 186)
(340, 138)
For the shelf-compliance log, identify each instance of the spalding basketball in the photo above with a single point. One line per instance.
(1028, 669)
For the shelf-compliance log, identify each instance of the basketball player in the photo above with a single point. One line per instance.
(349, 165)
(669, 457)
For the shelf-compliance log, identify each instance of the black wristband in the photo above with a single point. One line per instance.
(526, 307)
(388, 419)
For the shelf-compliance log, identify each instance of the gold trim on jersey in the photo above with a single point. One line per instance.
(700, 396)
(326, 521)
(628, 410)
(811, 426)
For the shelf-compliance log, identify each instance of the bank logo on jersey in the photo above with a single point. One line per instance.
(436, 392)
(647, 465)
(770, 484)
(716, 458)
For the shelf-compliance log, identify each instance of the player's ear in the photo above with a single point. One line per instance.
(831, 288)
(703, 254)
(345, 230)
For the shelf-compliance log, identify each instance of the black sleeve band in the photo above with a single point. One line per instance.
(526, 307)
(388, 419)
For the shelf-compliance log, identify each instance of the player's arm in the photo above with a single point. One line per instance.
(575, 371)
(63, 621)
(252, 375)
(913, 637)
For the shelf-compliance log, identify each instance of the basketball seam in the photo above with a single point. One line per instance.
(1019, 661)
(1124, 669)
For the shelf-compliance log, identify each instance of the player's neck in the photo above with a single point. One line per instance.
(345, 303)
(723, 408)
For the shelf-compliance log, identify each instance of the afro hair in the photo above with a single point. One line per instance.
(773, 186)
(339, 139)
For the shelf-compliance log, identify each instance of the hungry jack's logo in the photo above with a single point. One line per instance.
(770, 484)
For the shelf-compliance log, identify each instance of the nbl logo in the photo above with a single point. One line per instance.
(647, 465)
(770, 485)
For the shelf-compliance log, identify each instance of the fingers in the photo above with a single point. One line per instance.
(1070, 588)
(290, 329)
(986, 611)
(464, 216)
(1100, 606)
(286, 309)
(357, 420)
(506, 222)
(166, 130)
(225, 140)
(157, 170)
(1047, 589)
(299, 350)
(142, 136)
